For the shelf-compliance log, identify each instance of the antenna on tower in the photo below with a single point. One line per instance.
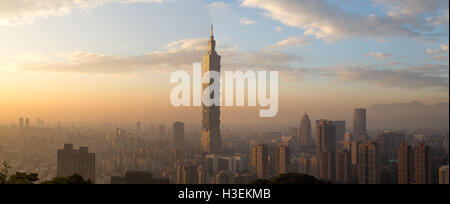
(212, 30)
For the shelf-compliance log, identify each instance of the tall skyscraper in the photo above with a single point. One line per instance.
(203, 175)
(21, 123)
(27, 122)
(282, 160)
(309, 165)
(348, 141)
(305, 131)
(162, 132)
(72, 161)
(326, 148)
(368, 163)
(178, 133)
(443, 175)
(339, 130)
(119, 133)
(293, 132)
(389, 144)
(327, 165)
(260, 160)
(138, 127)
(325, 136)
(343, 166)
(188, 173)
(405, 164)
(359, 122)
(211, 140)
(422, 161)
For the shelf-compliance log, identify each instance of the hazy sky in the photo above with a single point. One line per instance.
(77, 60)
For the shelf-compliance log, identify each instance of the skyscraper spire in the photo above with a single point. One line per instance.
(212, 30)
(211, 140)
(212, 42)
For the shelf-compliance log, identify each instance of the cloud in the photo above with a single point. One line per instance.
(443, 48)
(429, 69)
(181, 54)
(217, 6)
(416, 77)
(411, 10)
(379, 55)
(439, 54)
(326, 20)
(279, 29)
(19, 12)
(176, 55)
(291, 42)
(246, 21)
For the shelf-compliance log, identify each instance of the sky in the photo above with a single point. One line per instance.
(84, 60)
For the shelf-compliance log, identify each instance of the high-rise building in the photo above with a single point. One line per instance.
(354, 151)
(348, 141)
(187, 173)
(339, 130)
(305, 131)
(325, 136)
(343, 166)
(326, 148)
(233, 164)
(211, 139)
(327, 165)
(443, 175)
(422, 162)
(162, 132)
(405, 164)
(309, 165)
(138, 128)
(282, 160)
(71, 161)
(178, 133)
(120, 133)
(260, 160)
(368, 163)
(359, 122)
(27, 122)
(204, 175)
(389, 143)
(21, 123)
(292, 139)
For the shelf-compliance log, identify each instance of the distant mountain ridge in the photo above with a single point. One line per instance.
(408, 115)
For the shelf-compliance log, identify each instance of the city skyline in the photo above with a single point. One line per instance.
(358, 93)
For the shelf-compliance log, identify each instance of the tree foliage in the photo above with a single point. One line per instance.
(32, 178)
(74, 179)
(23, 178)
(17, 178)
(4, 169)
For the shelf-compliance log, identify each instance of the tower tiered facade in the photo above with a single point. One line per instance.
(211, 140)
